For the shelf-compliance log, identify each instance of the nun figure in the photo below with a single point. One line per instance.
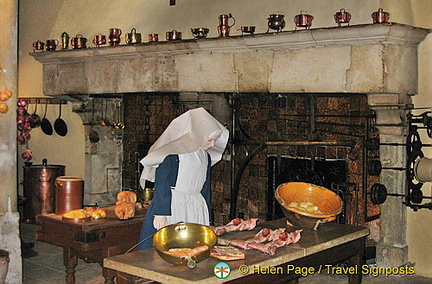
(179, 164)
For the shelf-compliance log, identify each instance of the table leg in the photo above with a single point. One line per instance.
(357, 261)
(70, 260)
(109, 275)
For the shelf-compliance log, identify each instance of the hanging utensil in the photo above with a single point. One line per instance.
(93, 136)
(45, 123)
(60, 126)
(105, 121)
(34, 119)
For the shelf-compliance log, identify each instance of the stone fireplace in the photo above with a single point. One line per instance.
(316, 95)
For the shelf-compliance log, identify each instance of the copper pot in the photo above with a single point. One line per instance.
(99, 40)
(342, 17)
(153, 37)
(173, 35)
(79, 42)
(380, 16)
(303, 20)
(248, 29)
(51, 44)
(38, 45)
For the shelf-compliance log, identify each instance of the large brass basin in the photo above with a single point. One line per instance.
(184, 235)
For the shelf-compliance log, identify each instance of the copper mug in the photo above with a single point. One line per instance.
(153, 37)
(51, 44)
(38, 45)
(99, 40)
(79, 42)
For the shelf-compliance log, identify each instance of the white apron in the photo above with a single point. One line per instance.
(187, 203)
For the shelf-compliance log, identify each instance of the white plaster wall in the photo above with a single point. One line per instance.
(45, 19)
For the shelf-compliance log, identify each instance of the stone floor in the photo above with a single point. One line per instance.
(47, 268)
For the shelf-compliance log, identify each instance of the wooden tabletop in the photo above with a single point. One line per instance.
(148, 264)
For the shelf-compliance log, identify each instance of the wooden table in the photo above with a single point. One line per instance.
(316, 252)
(92, 241)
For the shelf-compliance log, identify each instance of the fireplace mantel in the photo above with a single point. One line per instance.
(352, 59)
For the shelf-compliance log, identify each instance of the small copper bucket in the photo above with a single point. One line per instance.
(69, 194)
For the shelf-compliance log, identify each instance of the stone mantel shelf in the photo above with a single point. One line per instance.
(346, 35)
(369, 58)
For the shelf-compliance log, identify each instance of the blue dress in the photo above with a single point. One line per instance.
(166, 177)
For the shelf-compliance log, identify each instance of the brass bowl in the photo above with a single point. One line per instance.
(184, 235)
(328, 202)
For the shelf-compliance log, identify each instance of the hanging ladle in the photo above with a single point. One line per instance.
(93, 136)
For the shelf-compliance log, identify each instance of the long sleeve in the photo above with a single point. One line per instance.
(166, 176)
(206, 191)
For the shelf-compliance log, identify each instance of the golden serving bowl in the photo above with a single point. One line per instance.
(184, 235)
(328, 202)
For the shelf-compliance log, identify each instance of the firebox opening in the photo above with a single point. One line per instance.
(331, 174)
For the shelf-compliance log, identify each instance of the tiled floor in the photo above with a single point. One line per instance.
(47, 268)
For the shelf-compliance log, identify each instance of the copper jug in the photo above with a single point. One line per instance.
(69, 194)
(224, 26)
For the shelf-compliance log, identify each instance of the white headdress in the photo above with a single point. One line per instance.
(185, 134)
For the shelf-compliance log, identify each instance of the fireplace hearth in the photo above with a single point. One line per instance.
(307, 94)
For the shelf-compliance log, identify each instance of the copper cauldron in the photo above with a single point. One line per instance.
(276, 22)
(79, 42)
(303, 20)
(380, 16)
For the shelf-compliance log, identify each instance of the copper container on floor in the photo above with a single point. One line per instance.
(39, 189)
(69, 194)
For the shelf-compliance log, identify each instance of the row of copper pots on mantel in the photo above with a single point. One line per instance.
(275, 22)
